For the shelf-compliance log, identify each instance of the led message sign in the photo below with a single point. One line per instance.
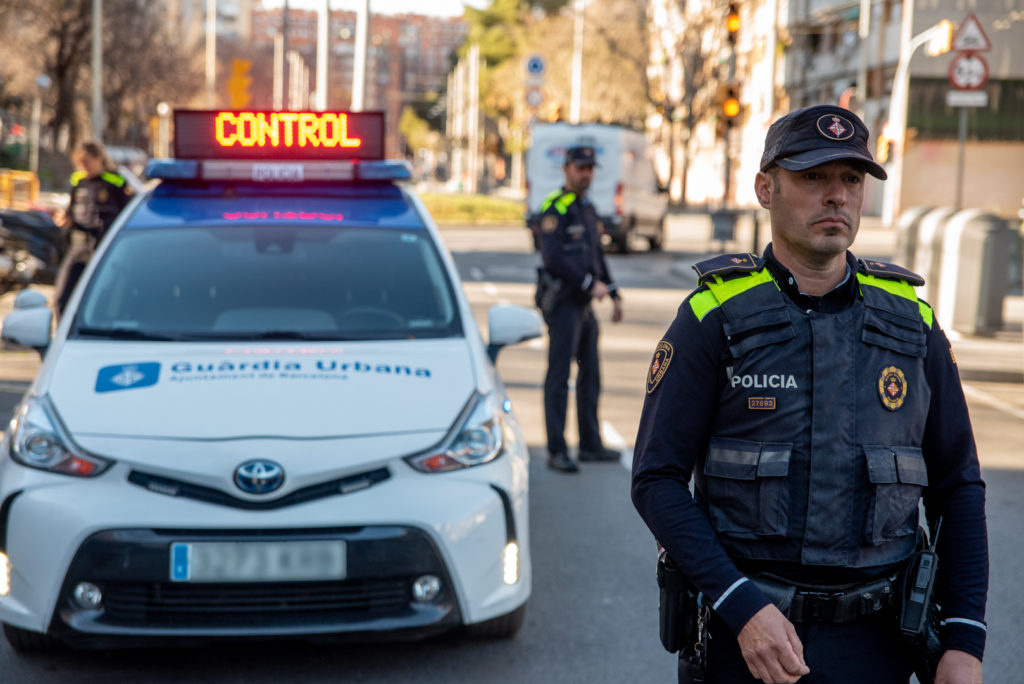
(278, 135)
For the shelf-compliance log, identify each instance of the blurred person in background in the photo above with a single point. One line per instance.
(98, 194)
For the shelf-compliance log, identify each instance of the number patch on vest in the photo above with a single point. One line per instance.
(892, 388)
(662, 357)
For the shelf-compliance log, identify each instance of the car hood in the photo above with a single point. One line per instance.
(285, 390)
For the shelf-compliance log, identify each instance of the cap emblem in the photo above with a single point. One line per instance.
(835, 127)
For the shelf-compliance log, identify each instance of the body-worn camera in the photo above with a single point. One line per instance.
(918, 614)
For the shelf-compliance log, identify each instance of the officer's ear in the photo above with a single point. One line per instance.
(764, 182)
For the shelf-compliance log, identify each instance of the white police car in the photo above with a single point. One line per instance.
(267, 411)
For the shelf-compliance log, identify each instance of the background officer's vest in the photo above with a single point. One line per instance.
(815, 455)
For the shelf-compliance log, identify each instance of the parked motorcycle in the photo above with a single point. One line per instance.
(32, 247)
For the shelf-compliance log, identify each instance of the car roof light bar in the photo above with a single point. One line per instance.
(277, 171)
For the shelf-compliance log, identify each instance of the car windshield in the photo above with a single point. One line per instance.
(258, 282)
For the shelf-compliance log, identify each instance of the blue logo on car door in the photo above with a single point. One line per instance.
(127, 376)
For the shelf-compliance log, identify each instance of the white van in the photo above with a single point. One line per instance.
(625, 191)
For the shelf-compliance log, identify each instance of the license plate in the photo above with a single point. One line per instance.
(258, 561)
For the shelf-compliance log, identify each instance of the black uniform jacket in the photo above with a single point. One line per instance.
(571, 244)
(674, 437)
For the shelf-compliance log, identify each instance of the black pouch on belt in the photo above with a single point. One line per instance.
(677, 606)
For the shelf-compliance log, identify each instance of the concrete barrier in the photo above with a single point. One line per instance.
(974, 272)
(907, 228)
(928, 252)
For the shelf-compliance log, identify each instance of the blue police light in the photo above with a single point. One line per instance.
(172, 169)
(390, 169)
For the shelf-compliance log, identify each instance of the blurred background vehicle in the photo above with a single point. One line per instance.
(625, 191)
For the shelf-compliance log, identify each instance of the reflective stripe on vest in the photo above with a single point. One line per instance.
(721, 290)
(560, 200)
(900, 288)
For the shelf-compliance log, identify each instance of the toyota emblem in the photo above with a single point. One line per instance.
(259, 476)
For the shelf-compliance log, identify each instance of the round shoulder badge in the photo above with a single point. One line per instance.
(662, 358)
(892, 388)
(549, 223)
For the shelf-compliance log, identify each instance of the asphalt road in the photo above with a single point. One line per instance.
(593, 614)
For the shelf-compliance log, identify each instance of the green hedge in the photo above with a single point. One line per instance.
(472, 209)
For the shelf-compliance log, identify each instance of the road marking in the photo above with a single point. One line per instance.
(613, 440)
(998, 404)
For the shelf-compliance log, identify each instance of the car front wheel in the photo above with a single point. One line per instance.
(26, 641)
(502, 627)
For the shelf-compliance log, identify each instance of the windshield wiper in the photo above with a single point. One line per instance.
(125, 334)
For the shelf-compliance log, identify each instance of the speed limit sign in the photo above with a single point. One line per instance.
(968, 71)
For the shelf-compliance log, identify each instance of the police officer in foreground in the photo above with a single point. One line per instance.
(814, 400)
(98, 194)
(573, 274)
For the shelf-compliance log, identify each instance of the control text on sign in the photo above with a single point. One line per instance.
(283, 130)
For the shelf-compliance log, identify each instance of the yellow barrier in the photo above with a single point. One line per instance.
(18, 189)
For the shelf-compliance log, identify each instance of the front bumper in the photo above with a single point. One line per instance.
(112, 532)
(131, 568)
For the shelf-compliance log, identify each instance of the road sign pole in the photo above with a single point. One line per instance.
(960, 160)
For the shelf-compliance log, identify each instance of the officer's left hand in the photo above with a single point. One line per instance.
(958, 667)
(617, 311)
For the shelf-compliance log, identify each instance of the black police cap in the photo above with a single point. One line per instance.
(581, 155)
(817, 135)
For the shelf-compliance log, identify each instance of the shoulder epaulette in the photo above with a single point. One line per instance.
(727, 264)
(77, 177)
(881, 269)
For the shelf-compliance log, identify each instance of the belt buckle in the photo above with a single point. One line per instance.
(819, 606)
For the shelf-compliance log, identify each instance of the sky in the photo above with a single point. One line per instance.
(441, 8)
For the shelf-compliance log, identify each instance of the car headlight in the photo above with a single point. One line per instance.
(38, 440)
(478, 439)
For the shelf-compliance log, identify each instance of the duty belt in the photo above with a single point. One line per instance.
(801, 603)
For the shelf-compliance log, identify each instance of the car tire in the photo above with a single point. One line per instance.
(502, 627)
(657, 241)
(26, 641)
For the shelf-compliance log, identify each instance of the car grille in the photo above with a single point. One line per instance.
(178, 603)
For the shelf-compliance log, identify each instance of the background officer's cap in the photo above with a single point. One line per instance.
(817, 135)
(581, 155)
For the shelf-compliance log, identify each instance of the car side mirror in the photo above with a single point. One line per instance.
(508, 324)
(28, 325)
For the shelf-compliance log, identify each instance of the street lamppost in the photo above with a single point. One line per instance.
(163, 112)
(939, 38)
(43, 83)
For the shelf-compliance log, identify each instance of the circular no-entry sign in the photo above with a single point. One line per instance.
(968, 71)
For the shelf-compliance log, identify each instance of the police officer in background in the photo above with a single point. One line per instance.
(814, 400)
(573, 274)
(98, 194)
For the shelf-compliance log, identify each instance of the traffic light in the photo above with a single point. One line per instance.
(728, 110)
(239, 83)
(941, 40)
(732, 22)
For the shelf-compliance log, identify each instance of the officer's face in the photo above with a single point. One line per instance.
(816, 212)
(93, 166)
(578, 178)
